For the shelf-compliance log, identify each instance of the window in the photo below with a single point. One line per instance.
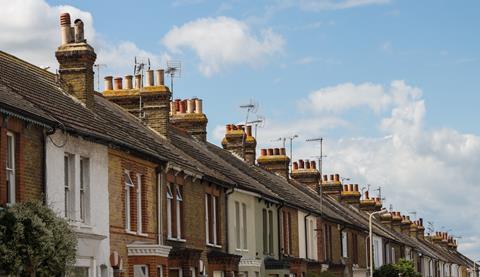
(174, 272)
(11, 184)
(84, 189)
(68, 161)
(211, 219)
(354, 248)
(139, 204)
(128, 204)
(140, 271)
(267, 232)
(344, 244)
(160, 271)
(287, 234)
(80, 271)
(174, 211)
(241, 226)
(311, 240)
(328, 241)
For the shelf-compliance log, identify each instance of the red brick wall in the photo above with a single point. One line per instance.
(293, 236)
(119, 238)
(29, 160)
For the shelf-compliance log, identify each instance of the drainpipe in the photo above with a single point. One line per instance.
(306, 231)
(366, 250)
(278, 233)
(160, 181)
(46, 133)
(226, 217)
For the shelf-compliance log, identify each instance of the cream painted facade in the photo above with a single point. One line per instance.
(78, 171)
(307, 236)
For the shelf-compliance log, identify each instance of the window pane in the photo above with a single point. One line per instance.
(265, 232)
(237, 224)
(169, 192)
(139, 203)
(127, 208)
(66, 180)
(128, 179)
(84, 185)
(10, 151)
(80, 272)
(270, 232)
(140, 271)
(244, 225)
(179, 193)
(210, 217)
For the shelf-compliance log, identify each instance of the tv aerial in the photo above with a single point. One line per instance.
(251, 107)
(139, 66)
(174, 69)
(98, 66)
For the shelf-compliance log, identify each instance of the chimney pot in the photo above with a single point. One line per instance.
(160, 77)
(366, 195)
(282, 151)
(173, 109)
(190, 106)
(295, 165)
(128, 82)
(313, 164)
(301, 164)
(182, 107)
(356, 187)
(108, 83)
(270, 152)
(149, 78)
(79, 34)
(337, 177)
(325, 178)
(276, 151)
(117, 83)
(177, 102)
(249, 130)
(263, 152)
(307, 164)
(345, 187)
(421, 221)
(198, 106)
(331, 177)
(65, 29)
(350, 187)
(138, 81)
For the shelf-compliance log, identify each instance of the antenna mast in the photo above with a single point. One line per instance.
(174, 69)
(320, 167)
(139, 68)
(98, 66)
(251, 107)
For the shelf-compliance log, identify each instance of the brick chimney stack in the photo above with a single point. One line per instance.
(333, 186)
(367, 204)
(76, 59)
(350, 194)
(405, 225)
(414, 229)
(306, 173)
(397, 221)
(274, 160)
(149, 103)
(188, 115)
(239, 140)
(420, 229)
(386, 219)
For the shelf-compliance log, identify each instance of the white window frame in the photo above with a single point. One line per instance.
(344, 244)
(128, 205)
(140, 267)
(69, 185)
(139, 205)
(84, 189)
(11, 171)
(160, 270)
(178, 201)
(214, 219)
(241, 239)
(244, 227)
(169, 211)
(238, 241)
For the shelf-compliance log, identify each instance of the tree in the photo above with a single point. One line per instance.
(403, 268)
(35, 241)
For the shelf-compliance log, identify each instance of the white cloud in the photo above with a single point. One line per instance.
(318, 5)
(30, 29)
(222, 41)
(431, 171)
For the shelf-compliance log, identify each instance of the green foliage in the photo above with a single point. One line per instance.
(33, 239)
(387, 270)
(322, 274)
(403, 268)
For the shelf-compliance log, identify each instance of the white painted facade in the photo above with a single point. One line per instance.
(78, 171)
(377, 251)
(307, 236)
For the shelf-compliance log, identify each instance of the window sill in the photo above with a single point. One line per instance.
(177, 240)
(142, 235)
(214, 245)
(130, 232)
(241, 250)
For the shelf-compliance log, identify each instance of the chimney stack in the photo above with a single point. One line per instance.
(350, 195)
(108, 84)
(333, 186)
(405, 225)
(76, 59)
(188, 115)
(275, 161)
(386, 219)
(420, 229)
(414, 229)
(154, 108)
(306, 173)
(367, 204)
(239, 140)
(397, 221)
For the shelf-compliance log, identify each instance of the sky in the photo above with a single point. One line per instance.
(391, 85)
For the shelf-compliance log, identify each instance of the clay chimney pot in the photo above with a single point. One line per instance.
(149, 78)
(108, 83)
(263, 152)
(301, 164)
(249, 130)
(295, 165)
(270, 152)
(337, 177)
(128, 82)
(356, 187)
(307, 164)
(138, 81)
(366, 195)
(282, 151)
(313, 165)
(160, 77)
(331, 177)
(276, 151)
(117, 83)
(325, 178)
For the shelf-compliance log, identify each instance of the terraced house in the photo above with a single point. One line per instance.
(148, 195)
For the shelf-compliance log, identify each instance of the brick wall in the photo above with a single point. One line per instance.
(118, 162)
(29, 160)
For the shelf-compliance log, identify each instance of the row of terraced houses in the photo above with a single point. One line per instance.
(148, 195)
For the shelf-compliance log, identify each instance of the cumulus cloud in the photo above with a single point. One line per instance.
(223, 41)
(30, 29)
(433, 172)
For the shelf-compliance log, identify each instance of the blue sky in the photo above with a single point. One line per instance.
(392, 85)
